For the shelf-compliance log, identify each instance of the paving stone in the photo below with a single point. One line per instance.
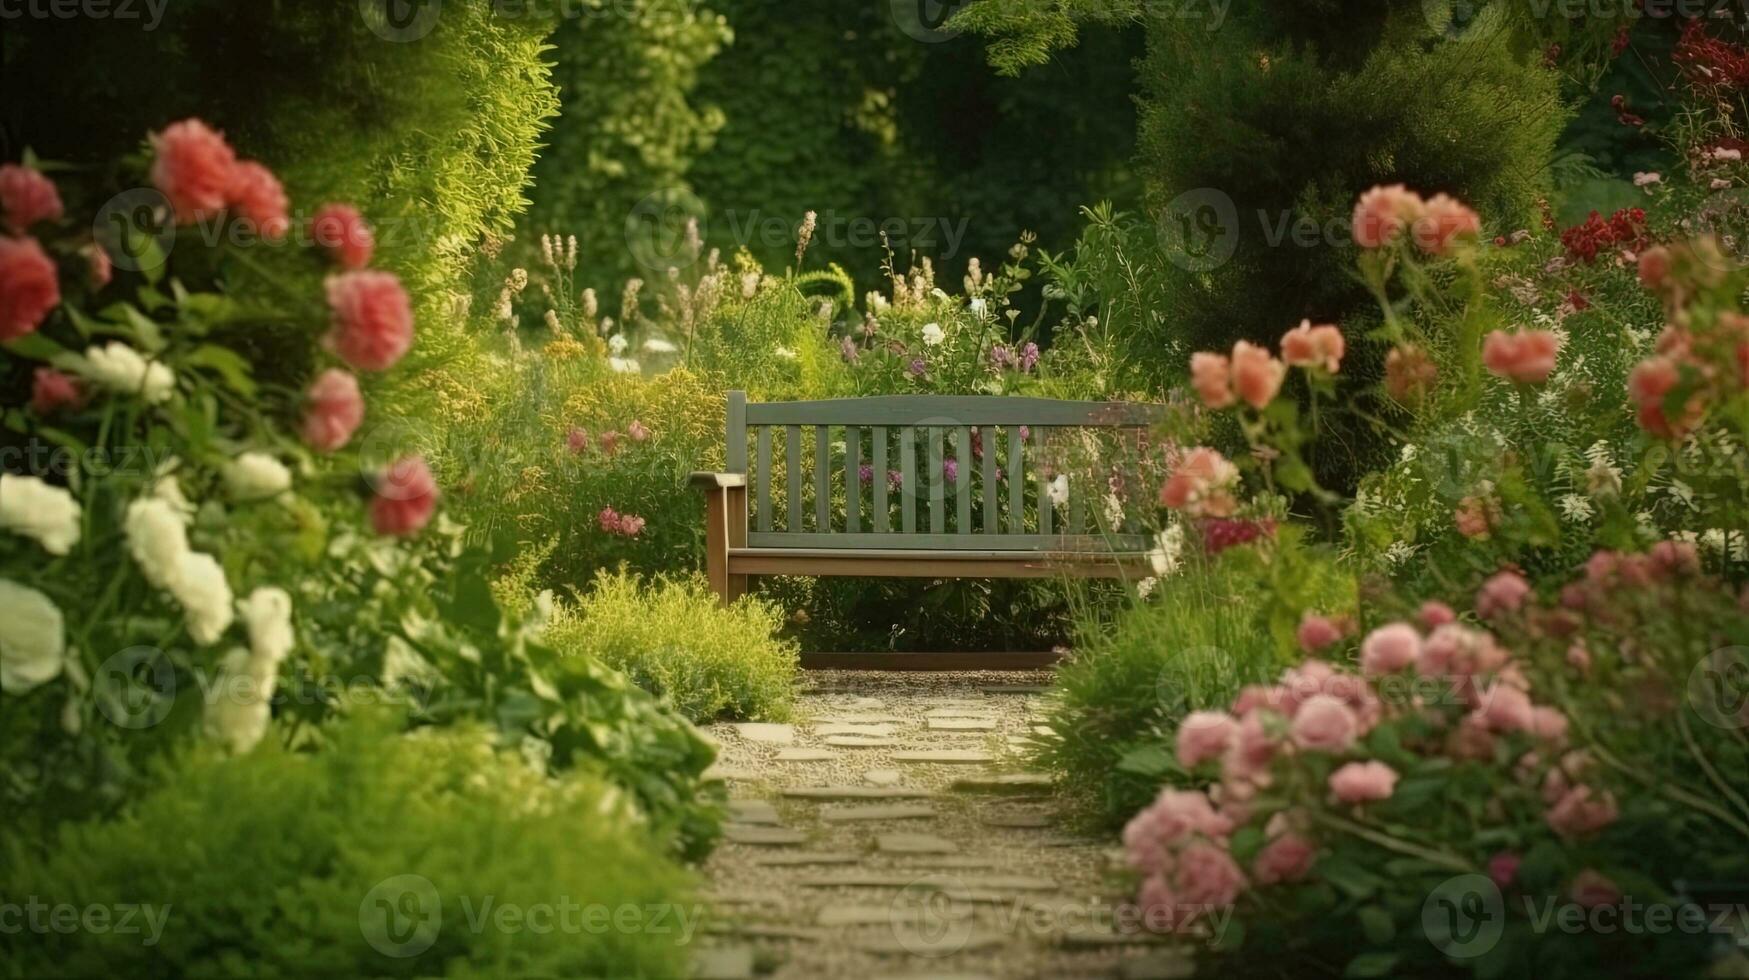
(1158, 966)
(859, 720)
(853, 742)
(864, 704)
(883, 777)
(1018, 821)
(980, 711)
(856, 793)
(763, 836)
(962, 724)
(928, 939)
(723, 963)
(888, 811)
(796, 754)
(786, 859)
(914, 844)
(1003, 783)
(944, 756)
(1096, 938)
(753, 811)
(947, 883)
(766, 733)
(884, 914)
(953, 862)
(938, 976)
(1014, 689)
(866, 731)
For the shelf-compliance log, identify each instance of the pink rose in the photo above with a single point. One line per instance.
(577, 440)
(609, 442)
(1445, 222)
(27, 198)
(1474, 517)
(1317, 632)
(1503, 868)
(373, 319)
(1325, 724)
(28, 287)
(1389, 649)
(1211, 376)
(1435, 614)
(1591, 890)
(1284, 860)
(1527, 357)
(1384, 213)
(1504, 708)
(1202, 485)
(333, 410)
(50, 391)
(1654, 266)
(1205, 735)
(1649, 384)
(1314, 348)
(1581, 813)
(192, 168)
(1363, 782)
(1159, 907)
(1548, 724)
(637, 431)
(406, 497)
(1179, 814)
(1675, 558)
(1257, 376)
(342, 232)
(1207, 876)
(255, 194)
(1503, 593)
(1251, 752)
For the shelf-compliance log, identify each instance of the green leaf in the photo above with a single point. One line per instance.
(1372, 965)
(1148, 760)
(1349, 877)
(230, 366)
(1378, 925)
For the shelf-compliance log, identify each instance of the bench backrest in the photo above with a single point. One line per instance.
(939, 472)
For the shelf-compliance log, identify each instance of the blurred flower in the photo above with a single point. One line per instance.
(406, 497)
(1409, 374)
(342, 232)
(333, 410)
(1445, 222)
(372, 319)
(28, 287)
(1382, 214)
(51, 391)
(637, 431)
(1320, 347)
(192, 167)
(98, 269)
(1257, 376)
(1363, 782)
(1527, 357)
(48, 515)
(1202, 485)
(256, 476)
(27, 197)
(33, 646)
(255, 194)
(121, 369)
(933, 334)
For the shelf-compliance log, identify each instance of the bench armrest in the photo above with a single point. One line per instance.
(706, 480)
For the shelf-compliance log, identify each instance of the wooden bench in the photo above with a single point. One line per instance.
(882, 465)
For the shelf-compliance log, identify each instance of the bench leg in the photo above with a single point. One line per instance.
(716, 542)
(735, 527)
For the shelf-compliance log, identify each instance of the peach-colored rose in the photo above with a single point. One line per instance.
(1205, 735)
(1202, 485)
(343, 233)
(192, 167)
(1382, 214)
(1257, 376)
(1315, 347)
(406, 498)
(1504, 709)
(1325, 724)
(1409, 374)
(1444, 222)
(1582, 812)
(1548, 724)
(27, 197)
(28, 287)
(1654, 267)
(373, 319)
(255, 195)
(333, 410)
(1527, 357)
(1211, 376)
(1284, 860)
(1363, 782)
(1253, 749)
(1474, 517)
(1390, 648)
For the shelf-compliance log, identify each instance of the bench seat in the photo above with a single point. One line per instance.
(920, 563)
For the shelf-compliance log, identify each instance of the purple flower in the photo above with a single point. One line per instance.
(950, 469)
(895, 479)
(865, 473)
(1028, 356)
(847, 347)
(1002, 358)
(918, 367)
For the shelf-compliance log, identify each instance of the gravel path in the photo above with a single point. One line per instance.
(890, 833)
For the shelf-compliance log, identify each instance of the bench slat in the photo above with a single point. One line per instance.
(962, 479)
(908, 479)
(852, 478)
(792, 488)
(822, 478)
(964, 409)
(937, 481)
(762, 475)
(1016, 482)
(926, 542)
(1044, 481)
(992, 486)
(882, 520)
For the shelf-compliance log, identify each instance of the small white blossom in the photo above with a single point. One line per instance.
(237, 704)
(616, 344)
(120, 368)
(48, 515)
(198, 583)
(1145, 587)
(933, 334)
(976, 305)
(157, 538)
(1113, 511)
(656, 345)
(1168, 547)
(256, 476)
(33, 644)
(266, 614)
(1058, 490)
(624, 365)
(1576, 508)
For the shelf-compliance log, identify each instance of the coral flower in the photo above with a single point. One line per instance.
(1316, 347)
(373, 319)
(1445, 222)
(1202, 485)
(1527, 357)
(255, 194)
(1256, 375)
(1363, 782)
(50, 391)
(193, 169)
(1211, 376)
(27, 198)
(28, 287)
(343, 233)
(406, 497)
(1384, 213)
(1409, 374)
(1649, 385)
(333, 410)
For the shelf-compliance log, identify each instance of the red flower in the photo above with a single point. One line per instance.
(333, 410)
(193, 168)
(341, 231)
(27, 197)
(28, 288)
(255, 194)
(50, 391)
(406, 497)
(373, 319)
(1625, 229)
(1220, 534)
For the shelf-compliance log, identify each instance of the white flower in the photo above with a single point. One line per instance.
(749, 284)
(876, 302)
(48, 515)
(656, 345)
(198, 583)
(624, 365)
(256, 476)
(267, 616)
(1113, 511)
(1145, 587)
(1576, 508)
(616, 344)
(1168, 546)
(169, 490)
(120, 368)
(1643, 178)
(33, 644)
(157, 538)
(237, 709)
(932, 334)
(1058, 490)
(976, 305)
(1399, 552)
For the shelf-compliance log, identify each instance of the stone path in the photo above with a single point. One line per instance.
(892, 833)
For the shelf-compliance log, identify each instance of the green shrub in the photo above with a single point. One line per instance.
(267, 864)
(672, 638)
